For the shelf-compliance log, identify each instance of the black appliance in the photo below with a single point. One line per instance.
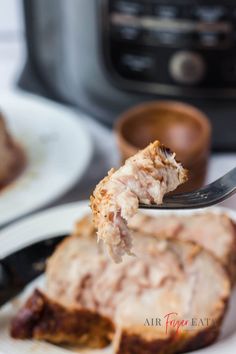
(106, 55)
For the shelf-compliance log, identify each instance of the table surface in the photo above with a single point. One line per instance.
(12, 58)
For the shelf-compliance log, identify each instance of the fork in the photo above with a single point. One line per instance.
(211, 194)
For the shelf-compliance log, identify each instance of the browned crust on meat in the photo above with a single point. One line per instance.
(98, 195)
(202, 339)
(134, 343)
(43, 319)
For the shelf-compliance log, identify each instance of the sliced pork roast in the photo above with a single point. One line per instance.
(43, 318)
(214, 232)
(145, 177)
(131, 299)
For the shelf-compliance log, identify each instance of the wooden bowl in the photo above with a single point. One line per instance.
(179, 126)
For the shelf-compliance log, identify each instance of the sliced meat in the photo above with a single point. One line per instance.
(163, 226)
(11, 156)
(140, 341)
(164, 277)
(188, 298)
(42, 318)
(214, 232)
(146, 177)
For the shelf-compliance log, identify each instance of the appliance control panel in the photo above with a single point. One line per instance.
(171, 47)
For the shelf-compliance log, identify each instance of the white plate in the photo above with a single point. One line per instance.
(58, 149)
(60, 220)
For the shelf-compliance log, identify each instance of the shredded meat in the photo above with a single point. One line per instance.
(146, 177)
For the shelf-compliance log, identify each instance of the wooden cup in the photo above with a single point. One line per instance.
(179, 126)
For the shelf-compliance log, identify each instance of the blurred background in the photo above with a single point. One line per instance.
(100, 58)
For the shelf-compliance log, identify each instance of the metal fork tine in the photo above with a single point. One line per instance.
(209, 195)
